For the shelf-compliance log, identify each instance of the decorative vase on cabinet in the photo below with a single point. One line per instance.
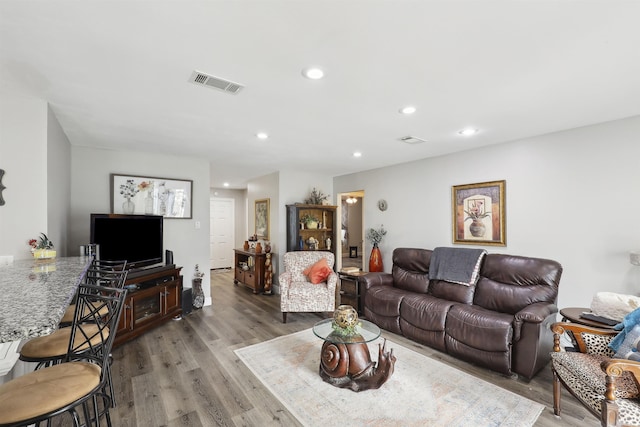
(375, 260)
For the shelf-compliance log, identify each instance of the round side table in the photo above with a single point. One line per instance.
(572, 314)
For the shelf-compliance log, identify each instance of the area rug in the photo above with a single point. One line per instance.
(421, 392)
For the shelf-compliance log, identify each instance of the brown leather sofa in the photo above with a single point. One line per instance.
(501, 323)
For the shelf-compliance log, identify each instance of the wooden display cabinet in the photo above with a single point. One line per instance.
(254, 276)
(158, 298)
(298, 233)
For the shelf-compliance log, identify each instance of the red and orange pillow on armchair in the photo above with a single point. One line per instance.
(318, 272)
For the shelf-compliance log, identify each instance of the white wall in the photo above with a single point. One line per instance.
(570, 196)
(90, 193)
(58, 184)
(23, 156)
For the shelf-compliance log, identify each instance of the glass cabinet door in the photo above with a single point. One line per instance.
(146, 308)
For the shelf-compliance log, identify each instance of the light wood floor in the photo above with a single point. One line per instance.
(185, 372)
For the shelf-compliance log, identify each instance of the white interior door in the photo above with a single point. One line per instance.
(221, 235)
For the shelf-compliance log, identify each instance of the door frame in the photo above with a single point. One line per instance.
(358, 193)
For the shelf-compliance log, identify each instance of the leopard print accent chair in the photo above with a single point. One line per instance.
(582, 373)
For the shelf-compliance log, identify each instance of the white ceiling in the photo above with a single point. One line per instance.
(116, 75)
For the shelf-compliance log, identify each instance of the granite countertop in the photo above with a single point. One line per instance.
(34, 295)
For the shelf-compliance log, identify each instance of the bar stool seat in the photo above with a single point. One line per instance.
(50, 349)
(46, 390)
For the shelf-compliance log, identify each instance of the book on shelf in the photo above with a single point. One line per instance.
(350, 270)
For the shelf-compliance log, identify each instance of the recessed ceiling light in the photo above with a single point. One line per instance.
(226, 184)
(357, 154)
(313, 73)
(262, 135)
(409, 109)
(468, 131)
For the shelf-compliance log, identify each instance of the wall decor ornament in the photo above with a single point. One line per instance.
(144, 195)
(262, 219)
(2, 187)
(479, 213)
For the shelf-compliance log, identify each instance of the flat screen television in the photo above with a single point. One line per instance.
(135, 238)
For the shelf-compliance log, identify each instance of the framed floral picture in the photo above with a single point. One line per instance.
(145, 195)
(262, 218)
(479, 213)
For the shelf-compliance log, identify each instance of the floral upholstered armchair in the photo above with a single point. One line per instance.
(605, 385)
(308, 283)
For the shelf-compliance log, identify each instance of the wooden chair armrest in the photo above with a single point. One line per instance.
(614, 368)
(576, 330)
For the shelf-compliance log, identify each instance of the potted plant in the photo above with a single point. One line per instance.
(42, 247)
(309, 220)
(316, 197)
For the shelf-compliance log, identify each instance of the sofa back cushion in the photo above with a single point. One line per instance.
(508, 283)
(411, 269)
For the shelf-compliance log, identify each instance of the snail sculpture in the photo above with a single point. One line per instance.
(345, 361)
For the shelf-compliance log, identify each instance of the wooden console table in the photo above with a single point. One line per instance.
(254, 276)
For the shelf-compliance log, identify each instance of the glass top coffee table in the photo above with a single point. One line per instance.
(345, 360)
(366, 332)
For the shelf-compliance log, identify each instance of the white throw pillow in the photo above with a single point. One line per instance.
(614, 306)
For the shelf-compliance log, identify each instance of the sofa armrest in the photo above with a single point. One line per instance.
(284, 280)
(578, 332)
(614, 368)
(376, 279)
(534, 313)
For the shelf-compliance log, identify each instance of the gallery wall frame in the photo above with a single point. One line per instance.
(262, 219)
(479, 216)
(148, 195)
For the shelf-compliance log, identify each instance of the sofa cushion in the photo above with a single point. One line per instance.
(384, 300)
(422, 319)
(452, 291)
(411, 269)
(479, 328)
(588, 375)
(425, 312)
(509, 283)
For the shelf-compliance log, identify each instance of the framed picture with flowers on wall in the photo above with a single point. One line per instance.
(479, 213)
(146, 195)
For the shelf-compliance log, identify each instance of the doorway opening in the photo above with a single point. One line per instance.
(351, 232)
(221, 233)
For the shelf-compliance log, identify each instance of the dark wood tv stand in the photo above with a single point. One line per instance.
(157, 299)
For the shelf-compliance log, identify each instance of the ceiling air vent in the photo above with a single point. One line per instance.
(412, 140)
(215, 82)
